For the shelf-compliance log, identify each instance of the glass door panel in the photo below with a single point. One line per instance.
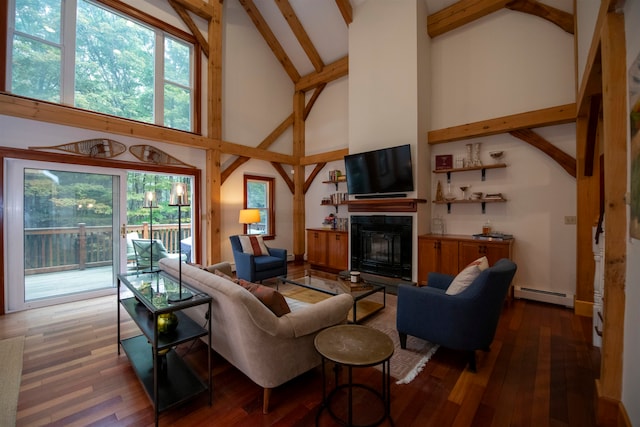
(63, 232)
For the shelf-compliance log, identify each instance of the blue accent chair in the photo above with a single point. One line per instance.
(466, 321)
(257, 268)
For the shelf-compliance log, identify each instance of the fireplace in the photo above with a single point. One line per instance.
(382, 245)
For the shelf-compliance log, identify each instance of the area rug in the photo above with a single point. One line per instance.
(407, 363)
(11, 350)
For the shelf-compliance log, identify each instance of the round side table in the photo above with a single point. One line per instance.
(355, 346)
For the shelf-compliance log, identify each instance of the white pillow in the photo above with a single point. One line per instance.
(253, 245)
(468, 275)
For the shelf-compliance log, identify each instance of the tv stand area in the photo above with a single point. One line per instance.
(380, 196)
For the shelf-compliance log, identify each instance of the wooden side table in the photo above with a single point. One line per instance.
(355, 346)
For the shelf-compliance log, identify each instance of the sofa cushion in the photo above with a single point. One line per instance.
(253, 245)
(271, 298)
(467, 276)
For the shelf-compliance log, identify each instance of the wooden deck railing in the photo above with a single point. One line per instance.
(70, 248)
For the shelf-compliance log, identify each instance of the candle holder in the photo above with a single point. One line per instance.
(179, 197)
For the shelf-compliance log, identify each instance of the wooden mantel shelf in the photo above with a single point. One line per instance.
(385, 205)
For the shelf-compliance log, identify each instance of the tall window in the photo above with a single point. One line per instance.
(81, 53)
(259, 194)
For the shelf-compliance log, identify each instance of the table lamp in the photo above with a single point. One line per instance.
(248, 217)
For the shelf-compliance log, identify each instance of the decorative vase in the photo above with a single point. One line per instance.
(476, 154)
(467, 160)
(167, 323)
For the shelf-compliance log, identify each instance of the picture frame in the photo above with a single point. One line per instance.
(444, 161)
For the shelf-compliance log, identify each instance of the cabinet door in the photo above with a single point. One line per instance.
(317, 247)
(470, 251)
(338, 251)
(428, 257)
(449, 257)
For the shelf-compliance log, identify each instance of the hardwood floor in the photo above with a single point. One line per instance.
(540, 371)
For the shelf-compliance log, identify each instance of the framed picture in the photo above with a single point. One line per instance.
(444, 161)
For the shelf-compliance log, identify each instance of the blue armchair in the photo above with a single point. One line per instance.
(257, 268)
(466, 321)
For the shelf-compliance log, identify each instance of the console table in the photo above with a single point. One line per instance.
(165, 376)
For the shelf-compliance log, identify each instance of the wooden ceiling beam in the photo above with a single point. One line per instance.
(254, 152)
(312, 176)
(329, 156)
(567, 162)
(283, 173)
(270, 38)
(314, 97)
(558, 17)
(329, 73)
(199, 7)
(461, 13)
(300, 33)
(346, 10)
(592, 134)
(186, 18)
(531, 119)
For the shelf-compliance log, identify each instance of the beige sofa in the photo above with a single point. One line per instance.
(270, 350)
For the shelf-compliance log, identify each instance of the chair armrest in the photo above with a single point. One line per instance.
(315, 317)
(439, 280)
(278, 253)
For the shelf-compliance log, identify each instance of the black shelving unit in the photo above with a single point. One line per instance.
(167, 379)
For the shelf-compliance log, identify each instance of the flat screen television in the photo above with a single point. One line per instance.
(387, 170)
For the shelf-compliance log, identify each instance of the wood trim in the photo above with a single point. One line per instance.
(615, 127)
(283, 173)
(346, 10)
(16, 106)
(592, 134)
(583, 308)
(312, 176)
(199, 7)
(461, 13)
(270, 38)
(186, 18)
(567, 162)
(531, 119)
(4, 28)
(329, 73)
(301, 35)
(385, 205)
(329, 156)
(558, 17)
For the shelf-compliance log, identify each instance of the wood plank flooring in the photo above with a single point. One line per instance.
(539, 372)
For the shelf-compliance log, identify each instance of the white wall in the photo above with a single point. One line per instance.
(503, 64)
(631, 368)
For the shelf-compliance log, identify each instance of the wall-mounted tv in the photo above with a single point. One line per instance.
(387, 170)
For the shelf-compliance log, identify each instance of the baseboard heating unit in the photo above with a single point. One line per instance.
(559, 298)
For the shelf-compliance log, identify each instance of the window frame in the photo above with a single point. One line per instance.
(271, 215)
(162, 30)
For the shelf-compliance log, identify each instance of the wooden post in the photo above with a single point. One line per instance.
(82, 245)
(298, 178)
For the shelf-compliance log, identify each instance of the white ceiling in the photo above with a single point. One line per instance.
(327, 29)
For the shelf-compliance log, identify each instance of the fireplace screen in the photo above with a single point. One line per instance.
(381, 247)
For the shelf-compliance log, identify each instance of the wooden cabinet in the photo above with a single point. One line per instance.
(436, 254)
(451, 253)
(328, 249)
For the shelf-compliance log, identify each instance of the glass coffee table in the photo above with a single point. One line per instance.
(312, 286)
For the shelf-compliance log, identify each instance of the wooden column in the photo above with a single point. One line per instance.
(615, 128)
(298, 178)
(214, 131)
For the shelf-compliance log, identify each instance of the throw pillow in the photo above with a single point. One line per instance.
(467, 276)
(253, 245)
(271, 298)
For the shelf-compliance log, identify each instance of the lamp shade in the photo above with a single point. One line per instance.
(150, 200)
(249, 216)
(179, 195)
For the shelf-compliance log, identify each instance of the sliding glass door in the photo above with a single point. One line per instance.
(62, 232)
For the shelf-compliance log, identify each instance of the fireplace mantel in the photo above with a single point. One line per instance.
(385, 205)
